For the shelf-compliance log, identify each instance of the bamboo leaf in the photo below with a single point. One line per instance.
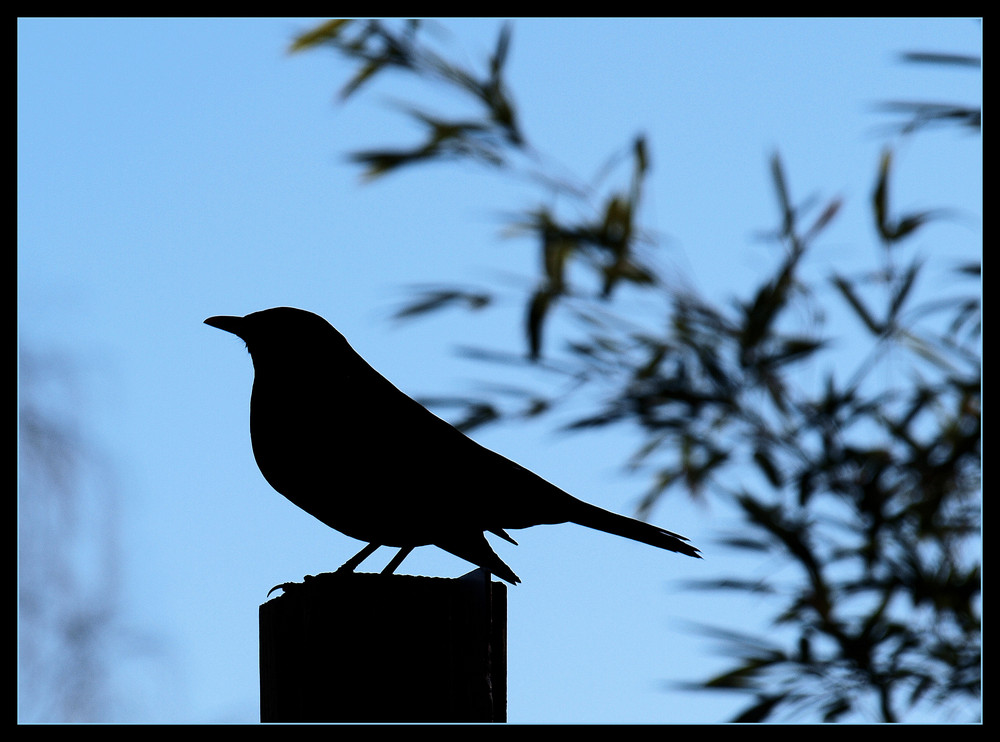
(323, 33)
(880, 196)
(902, 291)
(760, 710)
(431, 300)
(844, 286)
(824, 219)
(538, 308)
(781, 186)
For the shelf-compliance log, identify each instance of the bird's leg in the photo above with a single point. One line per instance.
(348, 566)
(354, 561)
(397, 560)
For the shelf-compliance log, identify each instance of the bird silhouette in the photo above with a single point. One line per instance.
(340, 441)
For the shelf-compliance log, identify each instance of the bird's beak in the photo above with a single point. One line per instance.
(229, 324)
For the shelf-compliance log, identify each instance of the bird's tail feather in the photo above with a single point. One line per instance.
(592, 516)
(479, 552)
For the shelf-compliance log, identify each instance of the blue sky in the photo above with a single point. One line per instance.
(174, 169)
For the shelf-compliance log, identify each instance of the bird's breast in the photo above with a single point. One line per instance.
(325, 458)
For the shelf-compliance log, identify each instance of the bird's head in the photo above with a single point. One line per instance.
(284, 335)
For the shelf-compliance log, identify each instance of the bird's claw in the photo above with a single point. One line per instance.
(283, 586)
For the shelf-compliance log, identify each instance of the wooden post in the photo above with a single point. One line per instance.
(349, 647)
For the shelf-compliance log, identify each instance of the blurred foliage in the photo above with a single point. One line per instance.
(375, 49)
(919, 114)
(868, 486)
(67, 556)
